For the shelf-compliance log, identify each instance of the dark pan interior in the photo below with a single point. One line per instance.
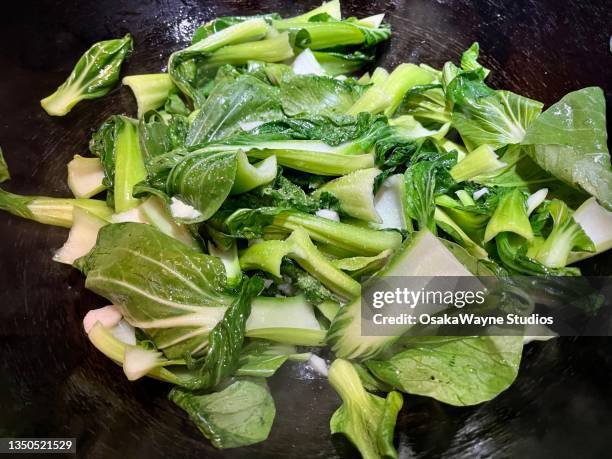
(53, 383)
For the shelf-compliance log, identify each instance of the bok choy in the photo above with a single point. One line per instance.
(272, 174)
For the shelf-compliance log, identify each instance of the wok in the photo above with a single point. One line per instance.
(53, 383)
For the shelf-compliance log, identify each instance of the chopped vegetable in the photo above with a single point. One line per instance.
(266, 175)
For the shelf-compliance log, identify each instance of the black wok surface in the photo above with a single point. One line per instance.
(54, 384)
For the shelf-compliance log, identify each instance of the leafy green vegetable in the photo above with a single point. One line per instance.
(426, 103)
(519, 170)
(455, 370)
(322, 31)
(510, 216)
(94, 75)
(150, 90)
(258, 151)
(104, 340)
(280, 193)
(313, 290)
(421, 255)
(161, 133)
(117, 145)
(183, 65)
(472, 218)
(154, 211)
(203, 181)
(50, 211)
(570, 141)
(484, 116)
(424, 179)
(366, 419)
(338, 62)
(480, 161)
(469, 61)
(132, 265)
(387, 95)
(565, 236)
(268, 256)
(239, 415)
(261, 358)
(4, 171)
(318, 95)
(231, 103)
(229, 258)
(85, 176)
(288, 320)
(225, 340)
(362, 265)
(596, 222)
(456, 232)
(332, 130)
(250, 176)
(355, 193)
(512, 251)
(353, 239)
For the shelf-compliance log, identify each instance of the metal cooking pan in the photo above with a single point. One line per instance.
(54, 384)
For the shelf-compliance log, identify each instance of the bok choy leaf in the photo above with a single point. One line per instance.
(569, 140)
(94, 75)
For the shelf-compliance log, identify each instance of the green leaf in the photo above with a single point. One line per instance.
(230, 104)
(358, 266)
(469, 61)
(173, 293)
(4, 171)
(223, 22)
(456, 232)
(570, 141)
(455, 370)
(484, 116)
(161, 134)
(288, 320)
(94, 75)
(340, 63)
(261, 358)
(482, 160)
(250, 176)
(565, 236)
(355, 193)
(426, 103)
(520, 171)
(387, 95)
(510, 216)
(117, 145)
(333, 130)
(427, 176)
(226, 339)
(331, 8)
(50, 211)
(268, 255)
(352, 239)
(318, 95)
(239, 415)
(512, 251)
(187, 67)
(281, 193)
(203, 181)
(313, 290)
(150, 90)
(366, 419)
